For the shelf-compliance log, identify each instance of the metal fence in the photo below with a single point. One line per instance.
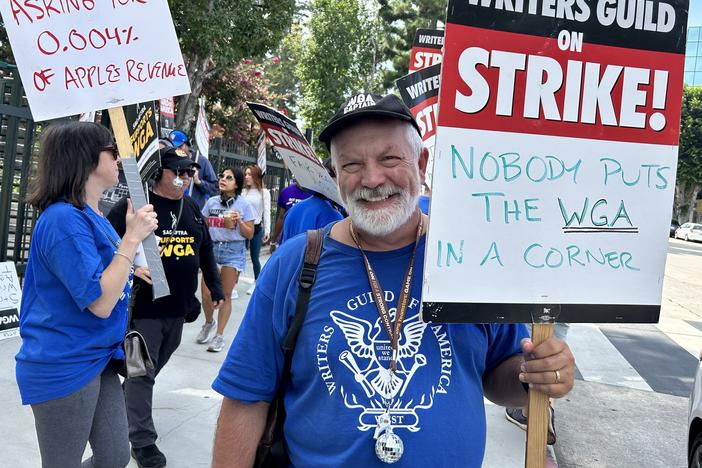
(229, 153)
(18, 148)
(18, 153)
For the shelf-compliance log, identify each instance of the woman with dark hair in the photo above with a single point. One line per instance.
(259, 198)
(74, 302)
(231, 222)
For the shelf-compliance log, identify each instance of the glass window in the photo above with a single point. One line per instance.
(698, 67)
(691, 48)
(697, 80)
(689, 78)
(690, 63)
(693, 34)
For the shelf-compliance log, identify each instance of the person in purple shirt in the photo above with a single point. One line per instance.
(288, 197)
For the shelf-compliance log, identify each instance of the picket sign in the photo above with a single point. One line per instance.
(554, 168)
(77, 57)
(138, 197)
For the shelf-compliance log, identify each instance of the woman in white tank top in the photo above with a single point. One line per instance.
(260, 200)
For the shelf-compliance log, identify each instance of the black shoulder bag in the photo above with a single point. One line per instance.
(272, 451)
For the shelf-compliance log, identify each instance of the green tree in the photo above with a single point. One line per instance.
(227, 92)
(401, 19)
(339, 56)
(689, 176)
(216, 35)
(280, 72)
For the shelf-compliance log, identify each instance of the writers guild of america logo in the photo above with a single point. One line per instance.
(367, 357)
(358, 102)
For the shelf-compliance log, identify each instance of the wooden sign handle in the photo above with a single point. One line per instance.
(537, 426)
(119, 126)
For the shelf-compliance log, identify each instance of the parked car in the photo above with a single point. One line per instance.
(674, 225)
(694, 423)
(689, 232)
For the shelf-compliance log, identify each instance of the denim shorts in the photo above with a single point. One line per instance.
(231, 254)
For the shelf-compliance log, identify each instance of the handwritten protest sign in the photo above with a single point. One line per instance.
(80, 55)
(426, 48)
(420, 92)
(555, 160)
(10, 299)
(298, 155)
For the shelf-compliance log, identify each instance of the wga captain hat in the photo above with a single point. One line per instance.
(366, 105)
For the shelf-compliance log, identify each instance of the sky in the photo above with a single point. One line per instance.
(695, 15)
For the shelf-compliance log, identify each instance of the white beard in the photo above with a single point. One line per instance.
(381, 222)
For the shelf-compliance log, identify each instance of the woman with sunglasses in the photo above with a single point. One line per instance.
(73, 314)
(231, 222)
(259, 198)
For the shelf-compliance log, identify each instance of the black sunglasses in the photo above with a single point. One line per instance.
(112, 149)
(226, 177)
(190, 172)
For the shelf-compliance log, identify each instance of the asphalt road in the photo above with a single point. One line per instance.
(629, 406)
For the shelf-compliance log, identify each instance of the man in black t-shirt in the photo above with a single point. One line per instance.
(185, 246)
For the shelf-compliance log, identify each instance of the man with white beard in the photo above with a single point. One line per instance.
(370, 383)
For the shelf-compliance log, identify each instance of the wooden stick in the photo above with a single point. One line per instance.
(119, 126)
(537, 425)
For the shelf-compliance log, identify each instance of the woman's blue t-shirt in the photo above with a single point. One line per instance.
(65, 345)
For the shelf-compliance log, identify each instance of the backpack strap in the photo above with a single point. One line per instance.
(308, 275)
(272, 450)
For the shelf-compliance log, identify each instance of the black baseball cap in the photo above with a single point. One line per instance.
(363, 105)
(175, 159)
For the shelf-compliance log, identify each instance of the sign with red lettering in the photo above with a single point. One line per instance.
(557, 146)
(297, 153)
(426, 48)
(420, 92)
(80, 55)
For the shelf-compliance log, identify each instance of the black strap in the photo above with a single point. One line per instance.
(308, 274)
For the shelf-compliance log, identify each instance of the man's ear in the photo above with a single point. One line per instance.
(423, 162)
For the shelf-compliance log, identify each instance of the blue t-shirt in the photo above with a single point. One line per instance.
(312, 213)
(339, 374)
(423, 203)
(65, 345)
(214, 210)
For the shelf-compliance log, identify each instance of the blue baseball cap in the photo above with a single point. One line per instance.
(178, 138)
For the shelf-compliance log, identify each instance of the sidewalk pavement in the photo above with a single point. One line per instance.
(186, 408)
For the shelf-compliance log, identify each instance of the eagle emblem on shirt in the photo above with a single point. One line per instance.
(370, 352)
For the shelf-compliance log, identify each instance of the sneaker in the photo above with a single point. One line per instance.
(251, 289)
(516, 417)
(206, 332)
(235, 295)
(149, 457)
(217, 344)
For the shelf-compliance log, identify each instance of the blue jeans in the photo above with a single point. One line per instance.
(255, 247)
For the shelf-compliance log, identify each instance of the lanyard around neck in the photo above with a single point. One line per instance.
(403, 300)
